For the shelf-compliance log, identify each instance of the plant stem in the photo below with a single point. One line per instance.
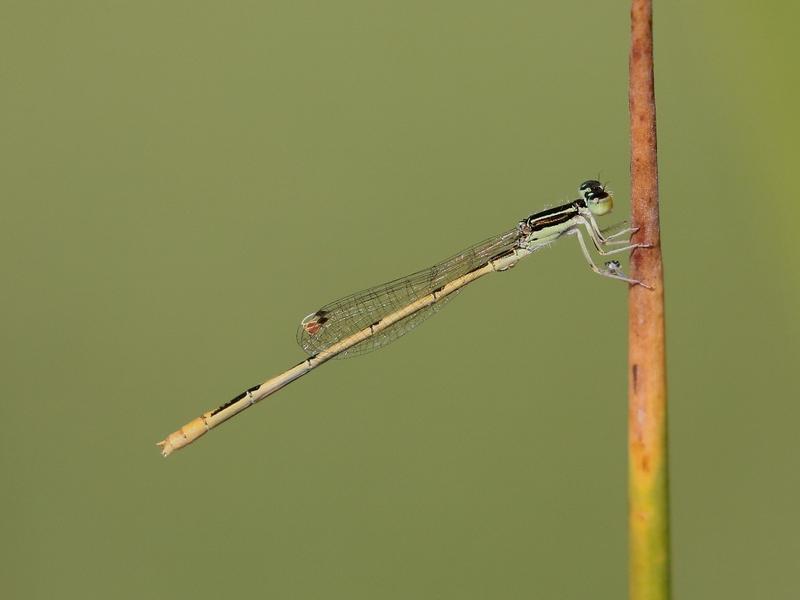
(648, 492)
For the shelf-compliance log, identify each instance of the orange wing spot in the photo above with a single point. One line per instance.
(314, 322)
(312, 327)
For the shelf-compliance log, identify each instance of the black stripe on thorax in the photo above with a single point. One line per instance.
(553, 216)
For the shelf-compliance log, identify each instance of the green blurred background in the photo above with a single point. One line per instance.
(183, 181)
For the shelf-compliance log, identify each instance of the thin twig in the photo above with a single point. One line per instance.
(648, 495)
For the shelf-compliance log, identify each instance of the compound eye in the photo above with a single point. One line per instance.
(592, 190)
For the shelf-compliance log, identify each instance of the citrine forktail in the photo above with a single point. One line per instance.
(374, 317)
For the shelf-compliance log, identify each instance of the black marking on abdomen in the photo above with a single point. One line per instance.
(233, 401)
(230, 402)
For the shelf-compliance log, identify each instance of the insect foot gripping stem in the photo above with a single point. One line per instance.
(184, 436)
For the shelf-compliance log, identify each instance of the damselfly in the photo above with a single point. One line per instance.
(374, 317)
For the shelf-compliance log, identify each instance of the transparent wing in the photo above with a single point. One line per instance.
(346, 316)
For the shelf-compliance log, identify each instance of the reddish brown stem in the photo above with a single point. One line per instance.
(647, 390)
